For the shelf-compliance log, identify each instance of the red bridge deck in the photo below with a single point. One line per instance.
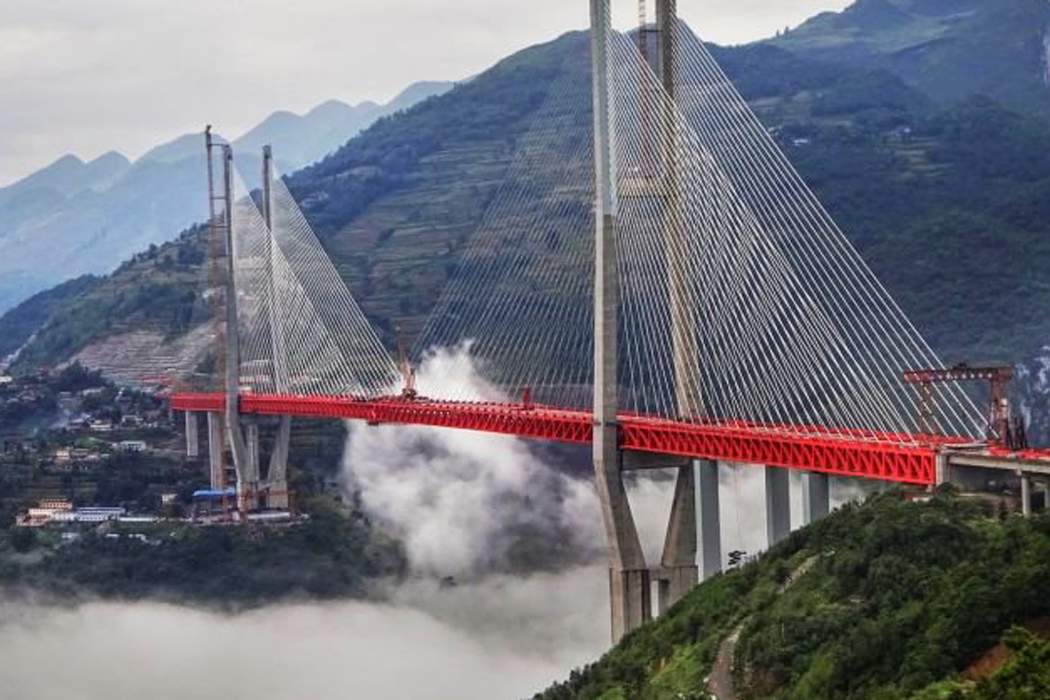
(904, 459)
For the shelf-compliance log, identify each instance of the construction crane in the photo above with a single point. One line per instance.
(1003, 428)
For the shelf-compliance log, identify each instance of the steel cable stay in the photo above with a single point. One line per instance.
(749, 327)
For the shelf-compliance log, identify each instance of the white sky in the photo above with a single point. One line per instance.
(88, 76)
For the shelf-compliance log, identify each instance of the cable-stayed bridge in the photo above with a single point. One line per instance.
(686, 302)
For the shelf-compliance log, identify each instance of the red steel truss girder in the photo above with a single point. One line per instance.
(207, 403)
(803, 449)
(902, 463)
(542, 423)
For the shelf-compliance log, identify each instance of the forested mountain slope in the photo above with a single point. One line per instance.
(889, 600)
(949, 49)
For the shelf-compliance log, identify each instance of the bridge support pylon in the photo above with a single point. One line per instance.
(943, 473)
(816, 496)
(709, 518)
(778, 505)
(679, 573)
(192, 435)
(248, 471)
(277, 475)
(630, 590)
(1026, 494)
(216, 446)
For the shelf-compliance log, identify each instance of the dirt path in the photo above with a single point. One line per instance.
(720, 682)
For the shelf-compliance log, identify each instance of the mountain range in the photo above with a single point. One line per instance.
(74, 217)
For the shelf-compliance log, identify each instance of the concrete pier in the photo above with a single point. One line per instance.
(678, 570)
(251, 437)
(630, 595)
(234, 432)
(192, 436)
(944, 470)
(277, 474)
(816, 496)
(709, 518)
(216, 432)
(778, 504)
(248, 471)
(1026, 494)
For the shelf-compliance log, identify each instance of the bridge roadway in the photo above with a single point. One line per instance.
(905, 459)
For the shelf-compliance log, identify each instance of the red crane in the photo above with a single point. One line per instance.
(1003, 428)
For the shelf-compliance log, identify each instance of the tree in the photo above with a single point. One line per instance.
(22, 539)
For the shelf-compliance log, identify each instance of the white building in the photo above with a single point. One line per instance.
(89, 515)
(131, 446)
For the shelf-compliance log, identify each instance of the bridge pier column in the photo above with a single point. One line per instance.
(630, 593)
(216, 440)
(709, 518)
(248, 473)
(1026, 494)
(778, 505)
(816, 496)
(192, 436)
(252, 439)
(944, 470)
(679, 572)
(277, 475)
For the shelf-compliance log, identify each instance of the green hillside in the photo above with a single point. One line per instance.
(949, 49)
(160, 289)
(25, 320)
(888, 600)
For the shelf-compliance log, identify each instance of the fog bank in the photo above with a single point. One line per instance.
(467, 503)
(468, 506)
(500, 638)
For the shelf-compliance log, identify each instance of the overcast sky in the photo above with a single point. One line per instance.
(88, 76)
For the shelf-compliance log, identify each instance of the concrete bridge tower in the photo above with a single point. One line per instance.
(276, 488)
(629, 580)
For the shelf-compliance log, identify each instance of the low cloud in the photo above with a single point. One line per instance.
(468, 506)
(467, 503)
(500, 638)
